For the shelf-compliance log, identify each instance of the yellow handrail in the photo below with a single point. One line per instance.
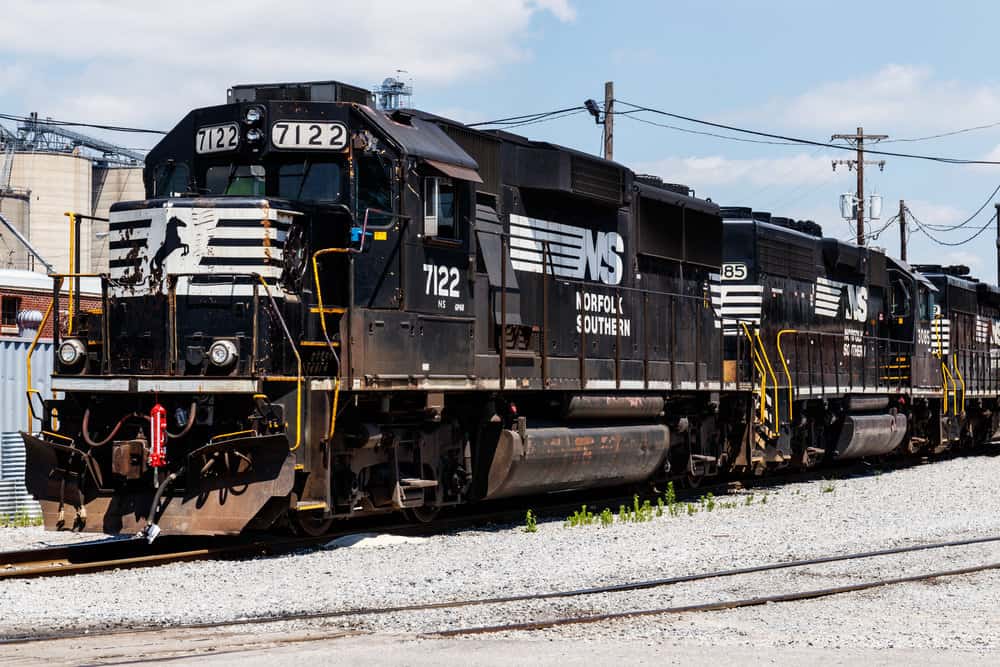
(774, 378)
(333, 412)
(945, 377)
(784, 364)
(759, 365)
(954, 360)
(319, 290)
(31, 350)
(326, 335)
(72, 267)
(298, 379)
(232, 435)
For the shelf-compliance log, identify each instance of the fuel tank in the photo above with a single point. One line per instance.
(869, 435)
(557, 458)
(613, 407)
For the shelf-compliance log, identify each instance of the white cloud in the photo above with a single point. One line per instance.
(699, 172)
(931, 213)
(896, 97)
(156, 62)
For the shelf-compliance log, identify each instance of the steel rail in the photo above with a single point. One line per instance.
(596, 590)
(716, 606)
(98, 556)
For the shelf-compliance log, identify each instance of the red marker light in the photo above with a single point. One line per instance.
(158, 436)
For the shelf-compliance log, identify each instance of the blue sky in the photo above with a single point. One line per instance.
(900, 68)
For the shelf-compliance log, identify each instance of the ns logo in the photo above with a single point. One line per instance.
(857, 303)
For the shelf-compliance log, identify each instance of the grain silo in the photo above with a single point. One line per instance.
(60, 170)
(111, 183)
(15, 207)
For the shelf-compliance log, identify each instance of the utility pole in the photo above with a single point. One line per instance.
(998, 242)
(902, 230)
(859, 141)
(609, 120)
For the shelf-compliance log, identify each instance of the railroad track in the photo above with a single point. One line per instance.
(102, 556)
(539, 624)
(109, 555)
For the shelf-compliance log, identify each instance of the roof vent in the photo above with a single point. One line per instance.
(28, 322)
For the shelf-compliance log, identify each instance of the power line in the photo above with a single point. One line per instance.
(706, 134)
(922, 227)
(950, 228)
(946, 134)
(66, 123)
(543, 120)
(808, 142)
(531, 117)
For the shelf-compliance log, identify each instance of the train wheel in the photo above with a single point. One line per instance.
(694, 481)
(425, 514)
(310, 524)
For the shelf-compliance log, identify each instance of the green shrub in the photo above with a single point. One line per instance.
(530, 524)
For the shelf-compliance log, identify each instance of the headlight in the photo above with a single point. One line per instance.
(222, 353)
(254, 135)
(71, 351)
(252, 115)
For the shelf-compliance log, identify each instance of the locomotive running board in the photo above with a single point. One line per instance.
(162, 385)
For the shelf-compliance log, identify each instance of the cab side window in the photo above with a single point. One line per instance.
(441, 209)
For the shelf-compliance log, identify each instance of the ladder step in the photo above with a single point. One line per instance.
(318, 343)
(413, 483)
(328, 310)
(309, 506)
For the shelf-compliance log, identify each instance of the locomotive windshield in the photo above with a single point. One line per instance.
(235, 179)
(312, 180)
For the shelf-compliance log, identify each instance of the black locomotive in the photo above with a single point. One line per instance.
(323, 311)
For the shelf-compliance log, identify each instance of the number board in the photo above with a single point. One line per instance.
(309, 135)
(734, 271)
(217, 138)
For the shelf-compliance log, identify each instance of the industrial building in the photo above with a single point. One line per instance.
(47, 170)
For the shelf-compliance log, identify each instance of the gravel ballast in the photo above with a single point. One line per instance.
(947, 500)
(36, 537)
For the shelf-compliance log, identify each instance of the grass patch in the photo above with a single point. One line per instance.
(530, 522)
(20, 519)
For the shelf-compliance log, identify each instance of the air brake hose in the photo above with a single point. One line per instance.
(192, 414)
(85, 428)
(152, 530)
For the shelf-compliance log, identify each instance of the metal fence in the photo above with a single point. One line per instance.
(14, 498)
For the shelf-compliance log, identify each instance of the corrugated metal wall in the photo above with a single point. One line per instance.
(13, 417)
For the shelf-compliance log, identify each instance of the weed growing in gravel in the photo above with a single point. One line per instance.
(710, 501)
(659, 507)
(728, 505)
(20, 519)
(530, 524)
(671, 500)
(749, 500)
(622, 514)
(581, 517)
(607, 518)
(828, 488)
(763, 500)
(691, 509)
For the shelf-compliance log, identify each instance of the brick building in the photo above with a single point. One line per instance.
(25, 290)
